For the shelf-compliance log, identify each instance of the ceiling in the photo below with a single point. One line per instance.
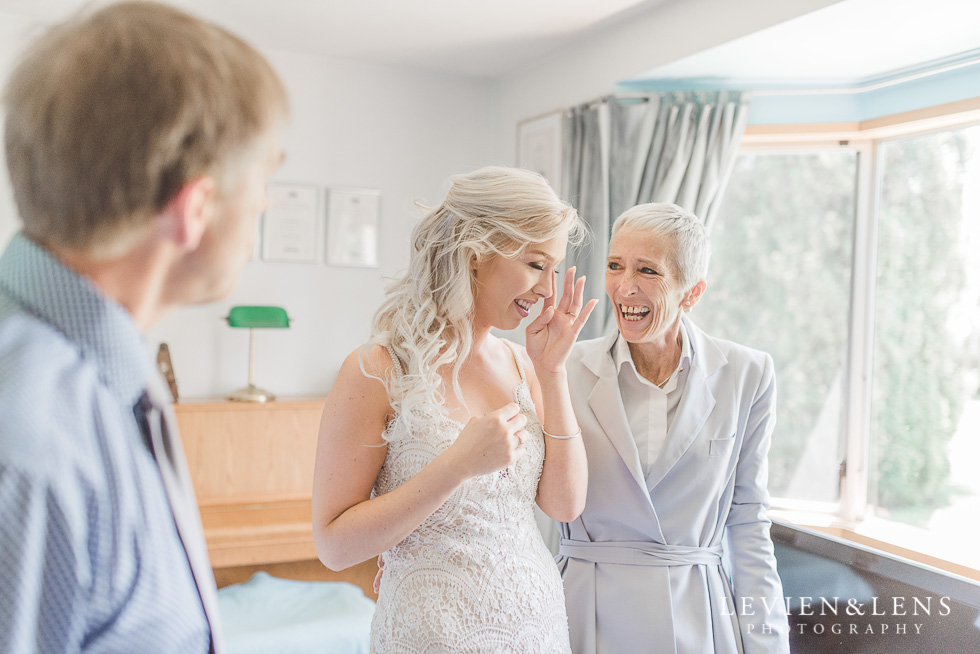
(469, 37)
(844, 43)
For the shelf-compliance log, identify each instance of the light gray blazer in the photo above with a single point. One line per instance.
(642, 566)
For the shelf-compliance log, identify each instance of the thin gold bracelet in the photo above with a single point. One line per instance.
(577, 434)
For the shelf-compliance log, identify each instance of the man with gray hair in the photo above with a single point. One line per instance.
(139, 141)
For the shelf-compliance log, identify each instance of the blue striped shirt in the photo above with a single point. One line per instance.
(90, 558)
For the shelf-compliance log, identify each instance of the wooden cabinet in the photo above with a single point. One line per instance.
(252, 468)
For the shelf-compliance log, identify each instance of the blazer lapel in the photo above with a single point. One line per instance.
(694, 407)
(606, 403)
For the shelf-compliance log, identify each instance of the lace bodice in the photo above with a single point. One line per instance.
(476, 576)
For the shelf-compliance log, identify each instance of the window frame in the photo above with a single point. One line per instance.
(851, 516)
(810, 507)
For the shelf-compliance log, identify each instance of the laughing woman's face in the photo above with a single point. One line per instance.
(644, 285)
(506, 288)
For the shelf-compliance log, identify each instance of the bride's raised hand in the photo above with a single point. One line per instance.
(550, 337)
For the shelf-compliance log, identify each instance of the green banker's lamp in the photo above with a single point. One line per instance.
(255, 318)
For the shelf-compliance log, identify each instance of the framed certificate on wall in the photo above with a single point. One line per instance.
(289, 225)
(353, 220)
(539, 147)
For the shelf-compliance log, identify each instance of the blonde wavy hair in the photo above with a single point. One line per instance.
(426, 317)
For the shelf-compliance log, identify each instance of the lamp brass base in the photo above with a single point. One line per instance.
(251, 393)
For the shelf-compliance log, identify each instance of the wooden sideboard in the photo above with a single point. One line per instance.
(252, 468)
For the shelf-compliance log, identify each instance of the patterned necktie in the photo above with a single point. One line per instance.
(160, 436)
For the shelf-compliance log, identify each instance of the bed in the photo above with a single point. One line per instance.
(269, 615)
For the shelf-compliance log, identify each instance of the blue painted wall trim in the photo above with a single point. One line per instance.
(860, 104)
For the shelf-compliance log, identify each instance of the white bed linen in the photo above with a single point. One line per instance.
(269, 615)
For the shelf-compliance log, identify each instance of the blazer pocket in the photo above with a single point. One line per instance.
(721, 446)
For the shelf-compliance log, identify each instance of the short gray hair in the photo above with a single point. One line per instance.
(691, 247)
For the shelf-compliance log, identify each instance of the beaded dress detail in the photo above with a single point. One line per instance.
(476, 576)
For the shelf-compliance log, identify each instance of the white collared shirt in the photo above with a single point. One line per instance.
(650, 410)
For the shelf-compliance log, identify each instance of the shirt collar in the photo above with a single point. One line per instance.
(621, 353)
(687, 347)
(102, 330)
(622, 356)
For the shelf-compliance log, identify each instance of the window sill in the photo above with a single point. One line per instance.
(917, 545)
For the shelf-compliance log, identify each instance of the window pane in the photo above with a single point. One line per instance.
(779, 281)
(925, 389)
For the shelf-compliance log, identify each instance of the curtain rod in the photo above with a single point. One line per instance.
(646, 96)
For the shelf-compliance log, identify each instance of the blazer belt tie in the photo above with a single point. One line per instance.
(640, 553)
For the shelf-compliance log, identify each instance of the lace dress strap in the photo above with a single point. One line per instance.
(517, 358)
(395, 362)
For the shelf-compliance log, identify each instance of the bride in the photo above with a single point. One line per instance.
(437, 437)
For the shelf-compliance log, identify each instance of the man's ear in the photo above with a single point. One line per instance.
(191, 211)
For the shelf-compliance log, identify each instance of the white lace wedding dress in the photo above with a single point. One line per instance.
(476, 576)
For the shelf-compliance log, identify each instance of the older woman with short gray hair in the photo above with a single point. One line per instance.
(677, 427)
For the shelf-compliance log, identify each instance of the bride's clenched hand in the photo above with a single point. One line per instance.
(550, 337)
(493, 441)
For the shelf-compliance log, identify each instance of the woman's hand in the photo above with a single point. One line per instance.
(493, 441)
(550, 337)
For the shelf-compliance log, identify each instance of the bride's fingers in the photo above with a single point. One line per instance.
(583, 316)
(567, 292)
(577, 296)
(548, 302)
(541, 321)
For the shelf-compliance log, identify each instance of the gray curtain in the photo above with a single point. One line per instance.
(675, 147)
